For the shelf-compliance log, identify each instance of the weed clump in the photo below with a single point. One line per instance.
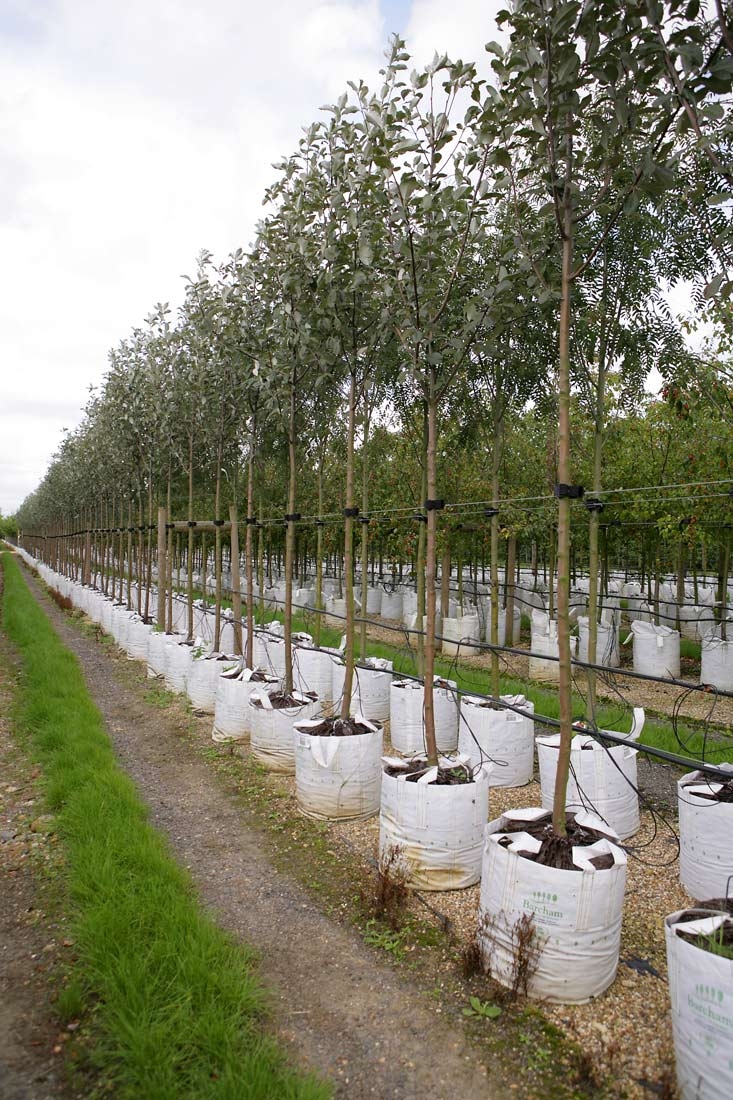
(385, 895)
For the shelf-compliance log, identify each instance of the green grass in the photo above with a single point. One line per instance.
(175, 1006)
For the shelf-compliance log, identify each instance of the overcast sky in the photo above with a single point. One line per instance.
(133, 135)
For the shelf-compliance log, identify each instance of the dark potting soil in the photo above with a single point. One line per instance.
(446, 777)
(725, 794)
(555, 850)
(336, 727)
(280, 701)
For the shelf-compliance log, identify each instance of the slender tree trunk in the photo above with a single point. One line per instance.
(563, 512)
(511, 556)
(189, 563)
(162, 567)
(290, 545)
(421, 550)
(217, 553)
(319, 556)
(348, 552)
(364, 555)
(249, 550)
(494, 562)
(430, 558)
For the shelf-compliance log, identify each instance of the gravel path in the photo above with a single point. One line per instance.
(336, 1008)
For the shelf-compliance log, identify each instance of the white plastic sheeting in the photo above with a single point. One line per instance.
(406, 711)
(338, 777)
(577, 914)
(201, 682)
(716, 665)
(436, 830)
(370, 687)
(701, 992)
(706, 836)
(602, 780)
(232, 714)
(656, 650)
(272, 738)
(499, 736)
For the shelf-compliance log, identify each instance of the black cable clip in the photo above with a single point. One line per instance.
(593, 504)
(489, 513)
(420, 517)
(434, 505)
(251, 521)
(192, 523)
(293, 517)
(218, 522)
(569, 492)
(351, 513)
(364, 519)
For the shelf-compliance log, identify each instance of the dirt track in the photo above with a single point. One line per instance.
(336, 1008)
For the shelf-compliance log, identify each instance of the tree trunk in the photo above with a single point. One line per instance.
(236, 579)
(494, 562)
(162, 568)
(563, 511)
(430, 556)
(509, 585)
(189, 563)
(290, 546)
(348, 552)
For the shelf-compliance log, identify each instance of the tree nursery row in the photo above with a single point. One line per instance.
(430, 366)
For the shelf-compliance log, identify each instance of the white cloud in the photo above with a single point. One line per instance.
(132, 136)
(460, 28)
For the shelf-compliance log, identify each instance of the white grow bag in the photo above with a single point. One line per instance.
(369, 689)
(232, 713)
(391, 605)
(138, 638)
(576, 913)
(201, 682)
(503, 737)
(656, 650)
(701, 992)
(706, 837)
(436, 830)
(338, 777)
(602, 780)
(461, 636)
(716, 666)
(313, 671)
(157, 643)
(485, 619)
(544, 644)
(406, 716)
(374, 601)
(272, 738)
(607, 652)
(178, 660)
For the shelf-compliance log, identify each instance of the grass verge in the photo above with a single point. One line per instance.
(177, 1010)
